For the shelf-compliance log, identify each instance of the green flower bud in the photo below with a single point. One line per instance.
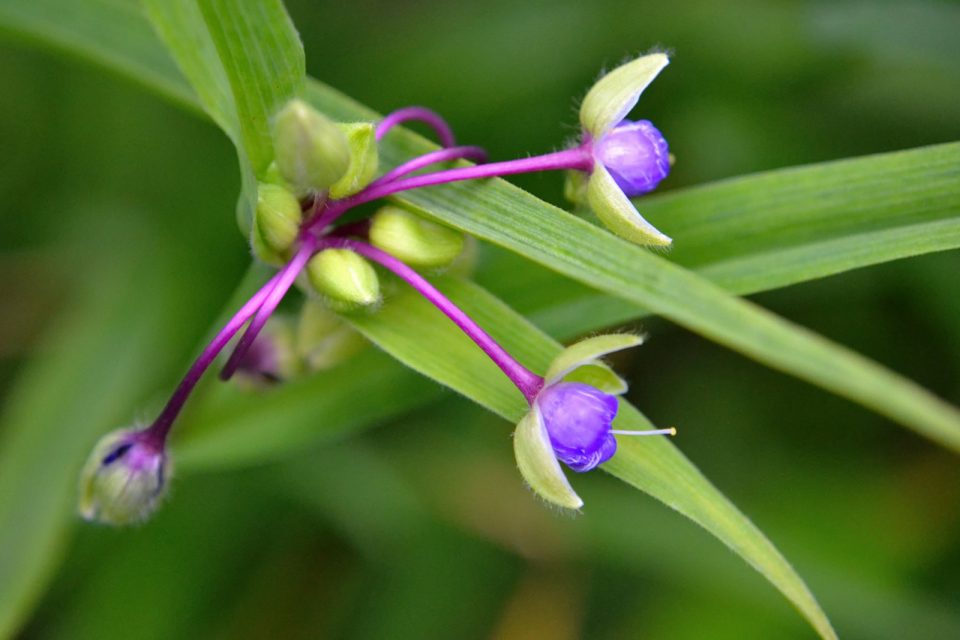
(344, 276)
(124, 478)
(323, 339)
(312, 152)
(418, 242)
(362, 138)
(276, 223)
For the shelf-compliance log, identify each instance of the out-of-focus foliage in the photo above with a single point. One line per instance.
(421, 528)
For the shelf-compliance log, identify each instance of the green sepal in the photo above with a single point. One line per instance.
(344, 276)
(617, 212)
(599, 376)
(323, 339)
(364, 159)
(312, 153)
(538, 464)
(615, 94)
(586, 352)
(415, 241)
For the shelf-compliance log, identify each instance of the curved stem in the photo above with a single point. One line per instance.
(421, 114)
(285, 279)
(525, 380)
(157, 433)
(477, 154)
(578, 158)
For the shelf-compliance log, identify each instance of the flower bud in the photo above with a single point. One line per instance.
(124, 478)
(323, 339)
(276, 223)
(578, 419)
(312, 153)
(344, 276)
(418, 242)
(636, 155)
(362, 139)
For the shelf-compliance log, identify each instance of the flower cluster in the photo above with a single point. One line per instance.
(321, 171)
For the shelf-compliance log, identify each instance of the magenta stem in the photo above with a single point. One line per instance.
(157, 433)
(285, 279)
(578, 158)
(525, 380)
(420, 114)
(477, 154)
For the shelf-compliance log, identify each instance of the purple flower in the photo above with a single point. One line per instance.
(578, 419)
(571, 419)
(636, 155)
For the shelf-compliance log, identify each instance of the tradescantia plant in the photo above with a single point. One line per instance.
(331, 169)
(308, 157)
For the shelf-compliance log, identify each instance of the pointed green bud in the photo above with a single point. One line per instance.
(344, 276)
(323, 339)
(124, 478)
(615, 94)
(364, 160)
(418, 242)
(276, 223)
(538, 462)
(312, 152)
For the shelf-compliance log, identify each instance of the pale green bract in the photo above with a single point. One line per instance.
(538, 464)
(616, 93)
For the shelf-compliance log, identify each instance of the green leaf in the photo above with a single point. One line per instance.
(244, 59)
(76, 389)
(653, 465)
(776, 228)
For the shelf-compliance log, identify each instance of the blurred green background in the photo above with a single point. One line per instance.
(420, 527)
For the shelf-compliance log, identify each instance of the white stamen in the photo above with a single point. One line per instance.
(672, 431)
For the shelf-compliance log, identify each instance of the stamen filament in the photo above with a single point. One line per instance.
(421, 114)
(672, 431)
(525, 380)
(157, 433)
(285, 279)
